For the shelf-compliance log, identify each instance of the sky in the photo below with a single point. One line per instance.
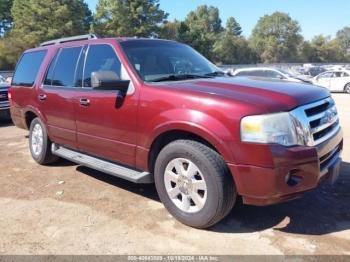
(314, 16)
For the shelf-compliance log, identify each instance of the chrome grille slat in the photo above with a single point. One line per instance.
(322, 127)
(316, 118)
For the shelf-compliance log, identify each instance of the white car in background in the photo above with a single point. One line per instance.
(269, 73)
(337, 81)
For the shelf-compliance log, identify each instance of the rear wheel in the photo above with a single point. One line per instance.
(40, 144)
(194, 183)
(347, 88)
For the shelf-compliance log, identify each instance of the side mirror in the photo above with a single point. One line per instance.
(108, 80)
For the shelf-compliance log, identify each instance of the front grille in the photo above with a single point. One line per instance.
(3, 96)
(320, 120)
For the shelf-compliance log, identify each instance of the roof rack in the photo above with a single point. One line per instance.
(69, 39)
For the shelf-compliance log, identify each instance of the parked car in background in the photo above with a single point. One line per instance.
(313, 71)
(2, 79)
(335, 81)
(151, 110)
(4, 102)
(9, 79)
(269, 73)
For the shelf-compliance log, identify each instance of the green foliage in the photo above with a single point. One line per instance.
(39, 20)
(276, 38)
(343, 38)
(233, 27)
(324, 49)
(231, 48)
(5, 16)
(36, 21)
(203, 28)
(128, 18)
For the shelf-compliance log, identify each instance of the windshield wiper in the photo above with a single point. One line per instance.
(216, 73)
(178, 77)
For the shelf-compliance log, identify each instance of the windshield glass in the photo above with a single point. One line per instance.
(154, 60)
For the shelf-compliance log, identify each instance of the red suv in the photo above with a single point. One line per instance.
(150, 110)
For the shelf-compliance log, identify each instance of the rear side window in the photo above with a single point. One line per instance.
(62, 68)
(28, 68)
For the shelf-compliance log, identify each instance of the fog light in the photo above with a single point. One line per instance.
(292, 179)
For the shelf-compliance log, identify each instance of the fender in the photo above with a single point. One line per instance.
(199, 123)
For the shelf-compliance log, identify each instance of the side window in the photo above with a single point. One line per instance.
(259, 73)
(64, 67)
(273, 74)
(28, 68)
(101, 58)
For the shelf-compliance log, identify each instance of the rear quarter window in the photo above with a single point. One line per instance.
(27, 68)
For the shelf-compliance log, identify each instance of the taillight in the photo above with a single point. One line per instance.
(10, 96)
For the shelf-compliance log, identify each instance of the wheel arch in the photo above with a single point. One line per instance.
(184, 131)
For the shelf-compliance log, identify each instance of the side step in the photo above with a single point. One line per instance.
(102, 165)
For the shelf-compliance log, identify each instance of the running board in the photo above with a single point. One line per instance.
(102, 165)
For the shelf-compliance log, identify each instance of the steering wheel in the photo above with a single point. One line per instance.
(182, 67)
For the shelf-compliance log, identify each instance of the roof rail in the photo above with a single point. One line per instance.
(69, 39)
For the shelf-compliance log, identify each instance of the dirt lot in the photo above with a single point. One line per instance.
(68, 209)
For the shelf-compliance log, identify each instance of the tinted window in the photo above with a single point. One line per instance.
(273, 74)
(64, 68)
(257, 73)
(28, 68)
(100, 58)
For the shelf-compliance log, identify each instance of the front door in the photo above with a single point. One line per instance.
(57, 96)
(324, 79)
(105, 129)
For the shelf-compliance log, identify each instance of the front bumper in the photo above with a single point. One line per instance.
(306, 166)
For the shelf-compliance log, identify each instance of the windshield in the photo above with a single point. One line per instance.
(156, 60)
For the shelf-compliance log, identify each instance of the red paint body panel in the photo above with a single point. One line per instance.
(210, 108)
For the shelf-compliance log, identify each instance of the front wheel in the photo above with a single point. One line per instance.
(40, 144)
(194, 183)
(347, 88)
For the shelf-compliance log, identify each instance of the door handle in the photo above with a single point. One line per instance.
(84, 102)
(42, 97)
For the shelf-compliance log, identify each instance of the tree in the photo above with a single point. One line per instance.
(343, 37)
(276, 38)
(128, 18)
(36, 21)
(231, 47)
(233, 26)
(204, 26)
(5, 16)
(326, 50)
(39, 20)
(174, 30)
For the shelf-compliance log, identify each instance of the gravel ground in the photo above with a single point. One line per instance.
(69, 209)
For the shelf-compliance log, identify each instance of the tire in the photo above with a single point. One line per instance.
(207, 180)
(40, 144)
(347, 88)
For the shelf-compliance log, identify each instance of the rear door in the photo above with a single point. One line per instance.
(105, 129)
(57, 96)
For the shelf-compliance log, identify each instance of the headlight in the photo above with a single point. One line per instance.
(279, 128)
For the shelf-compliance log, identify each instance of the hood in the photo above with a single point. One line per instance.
(267, 94)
